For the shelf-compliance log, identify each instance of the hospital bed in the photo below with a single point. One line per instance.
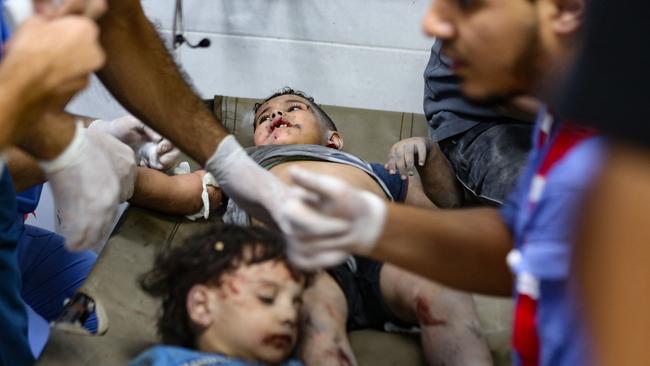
(140, 233)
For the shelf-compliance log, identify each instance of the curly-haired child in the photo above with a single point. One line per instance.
(229, 297)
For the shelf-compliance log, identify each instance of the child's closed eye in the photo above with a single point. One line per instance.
(266, 299)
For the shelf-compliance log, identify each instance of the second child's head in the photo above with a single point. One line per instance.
(229, 290)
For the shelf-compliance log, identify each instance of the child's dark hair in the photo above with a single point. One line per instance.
(203, 259)
(323, 117)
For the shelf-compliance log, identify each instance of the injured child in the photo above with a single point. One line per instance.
(291, 130)
(229, 297)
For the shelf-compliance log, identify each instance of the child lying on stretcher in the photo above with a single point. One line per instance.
(229, 297)
(290, 129)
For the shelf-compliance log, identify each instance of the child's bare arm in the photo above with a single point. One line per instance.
(176, 195)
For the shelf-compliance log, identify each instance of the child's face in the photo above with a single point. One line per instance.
(285, 120)
(254, 313)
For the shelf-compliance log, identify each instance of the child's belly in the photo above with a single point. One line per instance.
(352, 175)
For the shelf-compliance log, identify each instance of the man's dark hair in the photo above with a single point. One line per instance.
(203, 259)
(323, 118)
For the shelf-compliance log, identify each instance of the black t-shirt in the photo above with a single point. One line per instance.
(447, 111)
(610, 86)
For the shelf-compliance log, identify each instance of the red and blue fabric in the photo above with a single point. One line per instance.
(541, 213)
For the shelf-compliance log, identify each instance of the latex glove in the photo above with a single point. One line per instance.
(160, 155)
(257, 191)
(402, 155)
(152, 150)
(85, 189)
(335, 219)
(122, 160)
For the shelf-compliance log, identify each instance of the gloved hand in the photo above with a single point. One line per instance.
(257, 191)
(402, 155)
(85, 189)
(152, 150)
(121, 158)
(334, 220)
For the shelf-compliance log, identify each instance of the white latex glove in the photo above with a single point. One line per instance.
(85, 189)
(122, 160)
(257, 191)
(152, 150)
(333, 220)
(402, 155)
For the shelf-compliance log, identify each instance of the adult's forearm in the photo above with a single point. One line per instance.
(612, 259)
(49, 136)
(24, 169)
(13, 83)
(143, 77)
(465, 249)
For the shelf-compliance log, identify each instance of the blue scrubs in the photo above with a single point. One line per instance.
(14, 348)
(38, 260)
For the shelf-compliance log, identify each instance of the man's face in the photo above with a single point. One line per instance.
(255, 313)
(494, 44)
(285, 120)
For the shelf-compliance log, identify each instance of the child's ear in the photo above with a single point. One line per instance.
(199, 305)
(334, 140)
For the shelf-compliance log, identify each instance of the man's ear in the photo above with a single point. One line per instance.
(569, 16)
(334, 140)
(199, 307)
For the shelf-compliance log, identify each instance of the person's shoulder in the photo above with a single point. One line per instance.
(577, 169)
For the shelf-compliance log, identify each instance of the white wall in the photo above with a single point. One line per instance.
(353, 53)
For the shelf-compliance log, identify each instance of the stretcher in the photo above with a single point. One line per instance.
(140, 233)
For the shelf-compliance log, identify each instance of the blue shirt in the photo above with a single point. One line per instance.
(397, 187)
(4, 28)
(177, 356)
(548, 233)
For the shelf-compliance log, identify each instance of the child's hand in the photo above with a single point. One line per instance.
(402, 155)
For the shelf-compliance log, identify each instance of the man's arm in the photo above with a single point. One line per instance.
(143, 77)
(24, 169)
(465, 249)
(612, 258)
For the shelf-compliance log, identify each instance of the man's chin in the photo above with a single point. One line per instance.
(482, 94)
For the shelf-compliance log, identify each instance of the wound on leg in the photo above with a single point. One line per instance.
(423, 311)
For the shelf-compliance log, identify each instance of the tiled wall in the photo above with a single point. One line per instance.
(353, 53)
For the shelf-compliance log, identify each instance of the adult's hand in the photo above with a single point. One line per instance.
(47, 62)
(86, 191)
(257, 191)
(122, 160)
(402, 155)
(152, 150)
(334, 219)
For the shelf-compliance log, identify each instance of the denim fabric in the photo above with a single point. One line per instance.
(488, 158)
